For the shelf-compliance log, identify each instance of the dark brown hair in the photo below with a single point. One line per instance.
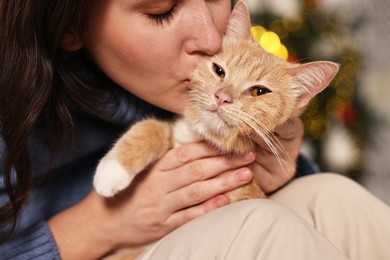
(36, 87)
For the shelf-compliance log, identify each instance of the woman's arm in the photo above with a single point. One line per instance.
(181, 186)
(177, 189)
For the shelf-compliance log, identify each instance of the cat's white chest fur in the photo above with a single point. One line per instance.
(182, 134)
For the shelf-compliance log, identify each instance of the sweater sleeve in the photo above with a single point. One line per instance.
(305, 166)
(36, 242)
(32, 238)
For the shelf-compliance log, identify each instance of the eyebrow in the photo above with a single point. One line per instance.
(157, 3)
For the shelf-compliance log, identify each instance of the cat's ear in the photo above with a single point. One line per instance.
(311, 78)
(239, 25)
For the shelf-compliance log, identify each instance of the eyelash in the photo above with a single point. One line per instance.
(162, 18)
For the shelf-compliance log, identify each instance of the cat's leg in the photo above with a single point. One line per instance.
(142, 144)
(250, 191)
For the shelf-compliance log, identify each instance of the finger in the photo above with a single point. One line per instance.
(199, 192)
(285, 142)
(186, 153)
(283, 149)
(281, 163)
(204, 169)
(291, 129)
(184, 216)
(271, 174)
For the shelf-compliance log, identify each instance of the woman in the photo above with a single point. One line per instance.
(74, 75)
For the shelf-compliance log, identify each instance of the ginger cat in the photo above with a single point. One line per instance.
(241, 92)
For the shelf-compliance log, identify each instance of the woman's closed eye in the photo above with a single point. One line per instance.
(162, 17)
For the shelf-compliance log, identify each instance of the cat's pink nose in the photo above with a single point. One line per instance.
(222, 97)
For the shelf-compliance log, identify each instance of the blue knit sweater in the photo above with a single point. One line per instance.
(72, 178)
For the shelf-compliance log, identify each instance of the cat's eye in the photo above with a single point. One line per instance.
(258, 91)
(218, 70)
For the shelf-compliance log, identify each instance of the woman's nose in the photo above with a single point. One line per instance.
(204, 36)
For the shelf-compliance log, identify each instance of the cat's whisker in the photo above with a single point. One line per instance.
(241, 126)
(271, 141)
(247, 120)
(282, 160)
(282, 148)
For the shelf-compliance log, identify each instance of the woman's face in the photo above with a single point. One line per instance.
(150, 47)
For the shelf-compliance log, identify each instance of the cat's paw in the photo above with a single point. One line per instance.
(110, 178)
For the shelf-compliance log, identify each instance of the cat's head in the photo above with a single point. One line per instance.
(244, 89)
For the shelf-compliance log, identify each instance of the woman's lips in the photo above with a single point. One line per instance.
(187, 84)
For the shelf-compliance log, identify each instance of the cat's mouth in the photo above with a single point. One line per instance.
(220, 118)
(217, 115)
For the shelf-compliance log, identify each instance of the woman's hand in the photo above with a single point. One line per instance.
(184, 184)
(271, 172)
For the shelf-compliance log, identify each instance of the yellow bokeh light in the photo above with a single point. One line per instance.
(293, 24)
(277, 27)
(257, 31)
(270, 41)
(282, 52)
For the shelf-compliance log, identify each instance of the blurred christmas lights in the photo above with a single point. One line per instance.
(270, 41)
(312, 34)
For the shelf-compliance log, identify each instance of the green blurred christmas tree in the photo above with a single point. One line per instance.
(312, 34)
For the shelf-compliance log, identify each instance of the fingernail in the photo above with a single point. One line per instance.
(248, 157)
(221, 201)
(243, 175)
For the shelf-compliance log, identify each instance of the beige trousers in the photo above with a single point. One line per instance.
(323, 216)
